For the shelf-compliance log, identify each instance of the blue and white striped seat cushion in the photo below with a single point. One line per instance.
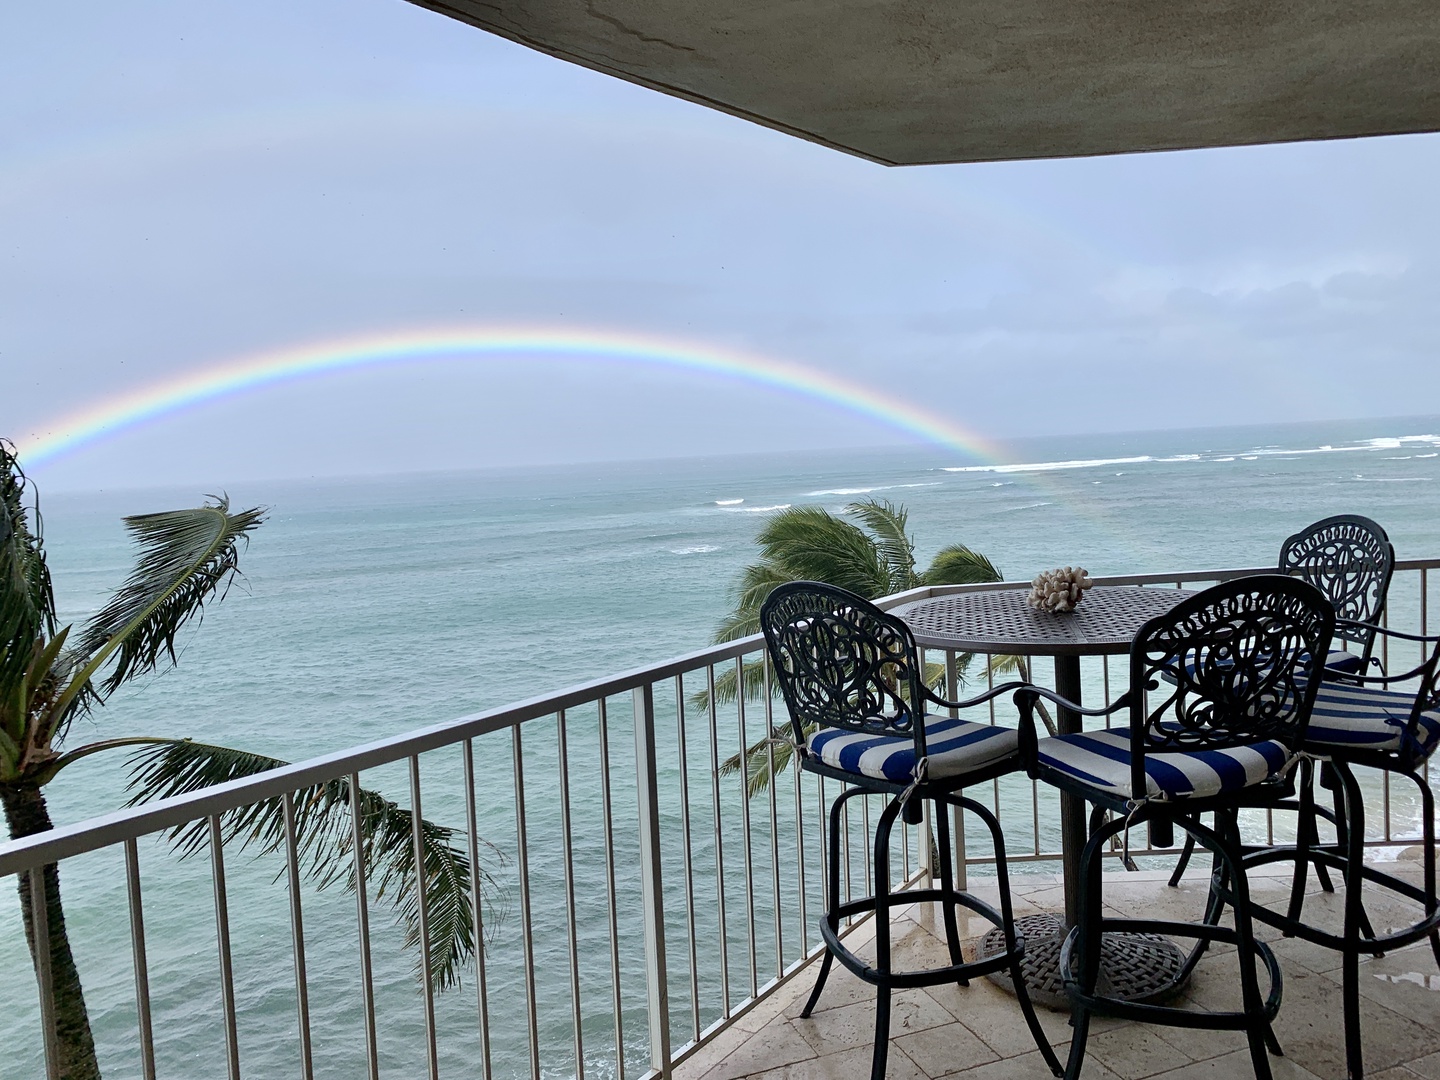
(1335, 660)
(952, 747)
(1340, 660)
(1101, 760)
(1364, 718)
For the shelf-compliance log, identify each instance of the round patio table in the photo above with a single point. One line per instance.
(1137, 967)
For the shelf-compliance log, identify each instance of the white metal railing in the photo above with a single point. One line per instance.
(640, 925)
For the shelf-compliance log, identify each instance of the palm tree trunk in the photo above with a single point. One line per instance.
(26, 815)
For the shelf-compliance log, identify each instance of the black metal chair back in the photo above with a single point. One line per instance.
(1240, 662)
(842, 662)
(1350, 559)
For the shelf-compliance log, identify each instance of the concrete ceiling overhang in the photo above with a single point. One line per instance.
(911, 82)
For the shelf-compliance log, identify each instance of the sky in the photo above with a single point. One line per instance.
(186, 186)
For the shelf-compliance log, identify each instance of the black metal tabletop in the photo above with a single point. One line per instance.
(1000, 621)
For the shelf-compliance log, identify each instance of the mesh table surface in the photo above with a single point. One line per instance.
(999, 620)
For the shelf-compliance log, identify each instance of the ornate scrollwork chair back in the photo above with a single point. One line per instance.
(1350, 559)
(1235, 665)
(842, 662)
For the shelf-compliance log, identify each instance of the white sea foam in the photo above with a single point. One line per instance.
(1222, 459)
(698, 549)
(1418, 456)
(757, 509)
(1180, 457)
(868, 490)
(1047, 466)
(728, 502)
(1249, 457)
(1391, 479)
(1027, 506)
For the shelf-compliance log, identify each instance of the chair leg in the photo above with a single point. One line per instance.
(882, 938)
(1007, 923)
(947, 885)
(1305, 827)
(1088, 936)
(1427, 816)
(832, 902)
(1354, 914)
(1185, 853)
(1258, 1034)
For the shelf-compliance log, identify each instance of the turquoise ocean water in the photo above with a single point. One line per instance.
(373, 606)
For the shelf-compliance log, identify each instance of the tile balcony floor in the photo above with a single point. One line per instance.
(977, 1033)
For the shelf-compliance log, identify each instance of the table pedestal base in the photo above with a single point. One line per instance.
(1134, 967)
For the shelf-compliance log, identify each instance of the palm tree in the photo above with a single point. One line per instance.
(872, 555)
(50, 676)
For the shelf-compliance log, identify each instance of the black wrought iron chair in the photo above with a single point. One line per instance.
(1350, 559)
(855, 690)
(1243, 661)
(1361, 722)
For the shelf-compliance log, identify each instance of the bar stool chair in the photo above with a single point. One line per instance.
(1350, 559)
(1360, 722)
(1221, 691)
(852, 673)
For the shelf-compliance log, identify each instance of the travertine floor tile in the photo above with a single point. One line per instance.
(854, 1025)
(1134, 1052)
(977, 1032)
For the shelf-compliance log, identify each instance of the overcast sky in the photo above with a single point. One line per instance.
(184, 184)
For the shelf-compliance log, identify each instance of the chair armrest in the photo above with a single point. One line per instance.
(1026, 698)
(1361, 680)
(1377, 628)
(993, 692)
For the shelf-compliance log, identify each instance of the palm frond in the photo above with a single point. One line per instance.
(27, 600)
(726, 687)
(758, 771)
(808, 543)
(897, 549)
(960, 565)
(186, 558)
(325, 845)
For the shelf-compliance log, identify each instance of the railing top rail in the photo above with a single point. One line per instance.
(112, 828)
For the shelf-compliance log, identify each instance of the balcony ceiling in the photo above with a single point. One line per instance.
(911, 82)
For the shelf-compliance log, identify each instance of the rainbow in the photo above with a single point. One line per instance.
(148, 404)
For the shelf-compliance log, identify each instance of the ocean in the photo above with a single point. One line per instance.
(371, 606)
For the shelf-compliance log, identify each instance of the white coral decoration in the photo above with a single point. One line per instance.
(1058, 590)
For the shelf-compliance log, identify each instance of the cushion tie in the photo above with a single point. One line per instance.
(919, 775)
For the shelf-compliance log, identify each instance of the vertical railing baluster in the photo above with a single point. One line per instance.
(719, 840)
(572, 947)
(865, 860)
(610, 898)
(687, 856)
(138, 957)
(849, 891)
(422, 909)
(222, 938)
(745, 826)
(44, 975)
(800, 854)
(477, 910)
(527, 930)
(774, 818)
(297, 936)
(652, 892)
(957, 816)
(362, 918)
